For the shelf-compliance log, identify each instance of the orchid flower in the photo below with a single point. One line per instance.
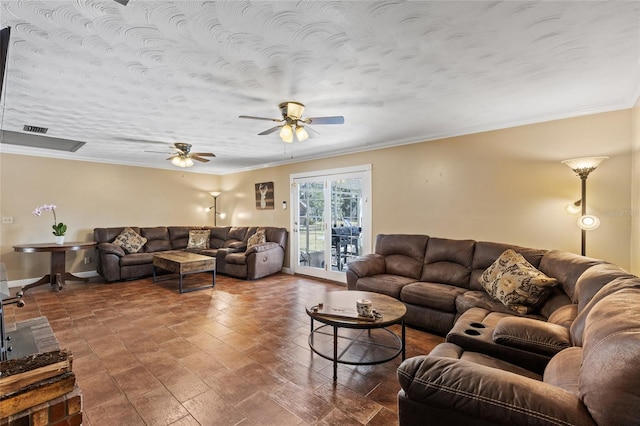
(59, 229)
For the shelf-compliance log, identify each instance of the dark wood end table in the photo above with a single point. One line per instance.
(56, 278)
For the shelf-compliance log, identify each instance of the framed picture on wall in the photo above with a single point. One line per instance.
(264, 196)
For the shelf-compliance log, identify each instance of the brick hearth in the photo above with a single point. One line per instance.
(63, 410)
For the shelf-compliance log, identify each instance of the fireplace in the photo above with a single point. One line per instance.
(52, 397)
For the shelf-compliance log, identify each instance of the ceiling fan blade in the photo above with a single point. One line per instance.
(306, 126)
(325, 120)
(269, 131)
(173, 156)
(204, 154)
(195, 157)
(250, 117)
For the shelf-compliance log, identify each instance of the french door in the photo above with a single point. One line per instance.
(330, 220)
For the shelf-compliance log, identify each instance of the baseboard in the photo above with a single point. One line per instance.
(287, 271)
(22, 283)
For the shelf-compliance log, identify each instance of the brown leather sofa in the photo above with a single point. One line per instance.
(437, 279)
(593, 382)
(227, 244)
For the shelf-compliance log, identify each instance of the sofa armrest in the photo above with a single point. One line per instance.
(488, 394)
(532, 335)
(368, 265)
(110, 248)
(259, 248)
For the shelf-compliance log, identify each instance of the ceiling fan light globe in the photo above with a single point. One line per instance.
(182, 161)
(286, 133)
(302, 134)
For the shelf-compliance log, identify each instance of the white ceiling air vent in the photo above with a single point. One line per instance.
(35, 129)
(37, 141)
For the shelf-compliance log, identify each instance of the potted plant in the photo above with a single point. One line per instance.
(59, 228)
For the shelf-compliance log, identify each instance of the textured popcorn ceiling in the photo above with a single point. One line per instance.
(132, 79)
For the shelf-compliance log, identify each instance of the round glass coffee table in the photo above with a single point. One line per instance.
(347, 338)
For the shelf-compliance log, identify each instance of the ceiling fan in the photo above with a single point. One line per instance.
(293, 122)
(183, 157)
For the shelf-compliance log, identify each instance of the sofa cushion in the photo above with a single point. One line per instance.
(610, 377)
(236, 234)
(179, 236)
(403, 254)
(218, 236)
(157, 239)
(564, 315)
(450, 350)
(516, 283)
(255, 239)
(430, 295)
(577, 327)
(566, 268)
(480, 299)
(130, 240)
(532, 335)
(486, 253)
(136, 259)
(238, 246)
(388, 284)
(448, 261)
(236, 259)
(198, 239)
(593, 279)
(563, 369)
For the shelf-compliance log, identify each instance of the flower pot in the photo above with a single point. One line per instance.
(59, 239)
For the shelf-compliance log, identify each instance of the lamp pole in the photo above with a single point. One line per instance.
(583, 179)
(215, 213)
(582, 167)
(215, 196)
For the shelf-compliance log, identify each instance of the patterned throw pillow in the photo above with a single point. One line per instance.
(130, 240)
(516, 283)
(255, 239)
(198, 239)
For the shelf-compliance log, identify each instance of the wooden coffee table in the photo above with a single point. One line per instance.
(183, 263)
(355, 340)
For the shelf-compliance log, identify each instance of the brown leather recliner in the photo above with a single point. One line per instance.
(595, 382)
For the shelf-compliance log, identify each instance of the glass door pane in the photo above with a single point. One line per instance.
(330, 222)
(346, 221)
(311, 226)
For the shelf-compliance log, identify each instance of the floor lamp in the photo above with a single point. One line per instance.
(582, 167)
(214, 207)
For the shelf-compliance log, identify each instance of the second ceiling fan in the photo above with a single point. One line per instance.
(293, 122)
(183, 157)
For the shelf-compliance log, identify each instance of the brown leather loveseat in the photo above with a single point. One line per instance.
(227, 244)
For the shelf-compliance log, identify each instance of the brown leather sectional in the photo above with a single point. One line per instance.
(573, 362)
(227, 244)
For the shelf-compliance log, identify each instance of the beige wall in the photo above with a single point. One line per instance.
(505, 185)
(634, 212)
(90, 195)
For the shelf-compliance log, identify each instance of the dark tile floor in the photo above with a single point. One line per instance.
(236, 354)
